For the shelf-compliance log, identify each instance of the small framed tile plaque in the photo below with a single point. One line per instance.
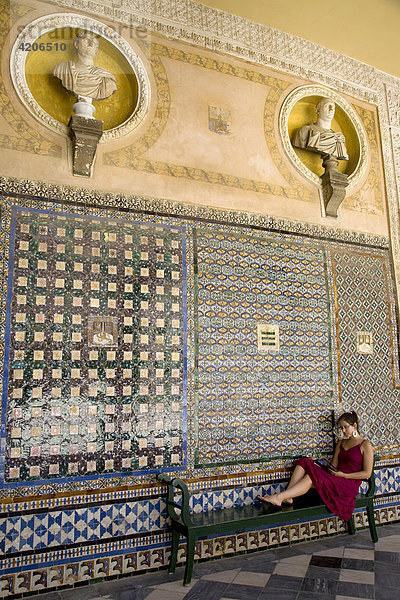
(365, 342)
(219, 120)
(268, 337)
(103, 331)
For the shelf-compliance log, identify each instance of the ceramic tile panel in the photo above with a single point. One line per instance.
(369, 379)
(95, 347)
(254, 403)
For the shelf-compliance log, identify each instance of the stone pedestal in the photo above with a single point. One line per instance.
(85, 133)
(334, 184)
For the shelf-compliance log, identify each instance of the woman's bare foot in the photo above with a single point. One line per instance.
(287, 501)
(274, 500)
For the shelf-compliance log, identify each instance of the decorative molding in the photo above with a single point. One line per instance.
(216, 30)
(391, 175)
(393, 110)
(393, 103)
(395, 135)
(82, 196)
(40, 26)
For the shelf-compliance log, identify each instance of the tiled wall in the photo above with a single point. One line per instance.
(272, 402)
(94, 347)
(132, 345)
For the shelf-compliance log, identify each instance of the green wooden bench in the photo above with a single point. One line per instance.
(237, 518)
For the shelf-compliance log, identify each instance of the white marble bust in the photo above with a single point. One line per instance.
(81, 77)
(319, 137)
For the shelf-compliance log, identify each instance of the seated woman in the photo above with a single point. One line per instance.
(353, 459)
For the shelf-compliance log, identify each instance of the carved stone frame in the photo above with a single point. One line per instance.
(61, 20)
(319, 90)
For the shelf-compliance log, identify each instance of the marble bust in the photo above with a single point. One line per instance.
(319, 137)
(81, 77)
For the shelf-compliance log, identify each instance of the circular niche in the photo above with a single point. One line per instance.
(44, 94)
(299, 109)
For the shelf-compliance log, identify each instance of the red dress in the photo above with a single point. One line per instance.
(338, 494)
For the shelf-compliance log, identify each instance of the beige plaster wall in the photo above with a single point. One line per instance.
(173, 154)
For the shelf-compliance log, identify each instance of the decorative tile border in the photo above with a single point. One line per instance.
(86, 526)
(19, 580)
(40, 190)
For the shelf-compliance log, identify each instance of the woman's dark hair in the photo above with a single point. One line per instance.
(350, 418)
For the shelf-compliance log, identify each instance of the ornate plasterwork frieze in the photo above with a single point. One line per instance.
(393, 101)
(396, 155)
(390, 148)
(223, 32)
(393, 114)
(79, 196)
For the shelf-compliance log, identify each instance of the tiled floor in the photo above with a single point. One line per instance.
(335, 568)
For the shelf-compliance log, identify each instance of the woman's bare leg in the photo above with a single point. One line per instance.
(298, 489)
(297, 475)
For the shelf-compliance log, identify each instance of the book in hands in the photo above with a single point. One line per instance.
(325, 464)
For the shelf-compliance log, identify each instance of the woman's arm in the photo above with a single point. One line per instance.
(334, 460)
(368, 463)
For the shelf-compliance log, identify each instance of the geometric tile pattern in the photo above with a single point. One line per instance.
(369, 382)
(76, 277)
(27, 532)
(253, 404)
(94, 378)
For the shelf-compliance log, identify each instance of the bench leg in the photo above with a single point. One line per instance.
(189, 559)
(174, 550)
(350, 526)
(371, 523)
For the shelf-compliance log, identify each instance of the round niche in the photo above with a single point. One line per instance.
(298, 110)
(49, 41)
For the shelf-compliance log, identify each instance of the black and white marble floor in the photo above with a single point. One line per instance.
(335, 568)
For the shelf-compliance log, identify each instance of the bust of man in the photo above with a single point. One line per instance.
(319, 137)
(81, 77)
